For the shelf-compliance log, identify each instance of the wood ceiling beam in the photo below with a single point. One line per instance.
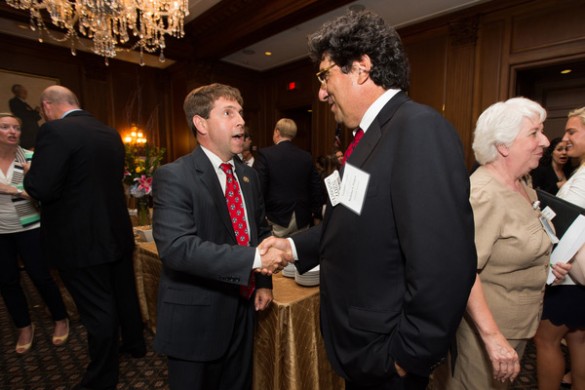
(235, 24)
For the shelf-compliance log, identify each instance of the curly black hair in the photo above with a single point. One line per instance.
(349, 37)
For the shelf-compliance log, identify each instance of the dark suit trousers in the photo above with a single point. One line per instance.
(231, 372)
(131, 325)
(92, 289)
(27, 245)
(410, 382)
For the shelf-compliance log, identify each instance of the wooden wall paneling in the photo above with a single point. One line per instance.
(427, 54)
(21, 55)
(459, 80)
(97, 95)
(546, 28)
(136, 100)
(187, 76)
(180, 139)
(489, 66)
(294, 104)
(324, 128)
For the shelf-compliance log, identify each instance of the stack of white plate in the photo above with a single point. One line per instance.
(289, 271)
(309, 278)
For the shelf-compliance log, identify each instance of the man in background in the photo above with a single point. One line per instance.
(291, 185)
(28, 115)
(208, 219)
(396, 246)
(76, 173)
(247, 155)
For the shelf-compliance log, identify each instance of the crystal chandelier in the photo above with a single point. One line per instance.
(137, 24)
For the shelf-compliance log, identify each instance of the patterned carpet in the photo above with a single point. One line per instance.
(47, 367)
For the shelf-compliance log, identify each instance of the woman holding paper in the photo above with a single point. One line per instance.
(513, 250)
(564, 305)
(20, 237)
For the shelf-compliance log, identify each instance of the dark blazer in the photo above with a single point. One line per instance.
(76, 174)
(395, 279)
(29, 117)
(545, 178)
(203, 267)
(289, 183)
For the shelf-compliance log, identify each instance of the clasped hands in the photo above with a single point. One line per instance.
(275, 254)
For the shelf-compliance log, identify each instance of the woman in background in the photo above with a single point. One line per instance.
(554, 167)
(564, 305)
(513, 250)
(19, 236)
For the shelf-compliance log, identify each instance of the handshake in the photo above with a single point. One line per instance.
(275, 254)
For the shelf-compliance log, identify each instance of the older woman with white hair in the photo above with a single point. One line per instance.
(513, 250)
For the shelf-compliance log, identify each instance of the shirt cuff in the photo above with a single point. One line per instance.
(257, 260)
(293, 249)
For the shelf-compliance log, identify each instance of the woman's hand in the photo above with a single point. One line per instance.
(26, 167)
(9, 190)
(504, 358)
(560, 271)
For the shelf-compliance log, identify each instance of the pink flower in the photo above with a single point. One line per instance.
(144, 183)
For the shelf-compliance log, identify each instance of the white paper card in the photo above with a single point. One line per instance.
(548, 229)
(548, 213)
(353, 188)
(332, 183)
(570, 243)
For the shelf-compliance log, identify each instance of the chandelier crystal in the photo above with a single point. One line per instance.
(136, 24)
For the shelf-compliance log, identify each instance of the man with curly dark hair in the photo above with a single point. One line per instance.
(398, 260)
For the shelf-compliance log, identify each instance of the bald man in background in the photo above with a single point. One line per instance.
(76, 173)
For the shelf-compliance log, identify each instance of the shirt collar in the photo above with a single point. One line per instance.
(373, 111)
(215, 160)
(69, 112)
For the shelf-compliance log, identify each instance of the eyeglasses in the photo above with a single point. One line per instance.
(323, 74)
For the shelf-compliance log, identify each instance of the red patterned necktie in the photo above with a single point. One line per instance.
(356, 138)
(235, 205)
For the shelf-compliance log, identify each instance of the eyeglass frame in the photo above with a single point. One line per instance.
(323, 74)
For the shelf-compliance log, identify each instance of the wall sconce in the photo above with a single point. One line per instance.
(135, 137)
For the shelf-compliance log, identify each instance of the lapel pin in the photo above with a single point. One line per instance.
(246, 180)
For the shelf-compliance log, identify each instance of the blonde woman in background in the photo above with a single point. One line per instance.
(564, 305)
(20, 237)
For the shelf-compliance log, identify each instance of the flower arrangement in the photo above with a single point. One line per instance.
(141, 162)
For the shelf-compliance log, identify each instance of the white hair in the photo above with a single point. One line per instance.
(500, 124)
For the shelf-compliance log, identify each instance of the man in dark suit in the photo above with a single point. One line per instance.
(29, 116)
(291, 186)
(76, 173)
(205, 321)
(397, 253)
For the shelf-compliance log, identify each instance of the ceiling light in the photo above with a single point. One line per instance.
(566, 71)
(267, 53)
(141, 24)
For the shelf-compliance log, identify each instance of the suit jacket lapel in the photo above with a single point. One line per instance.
(208, 178)
(368, 143)
(374, 134)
